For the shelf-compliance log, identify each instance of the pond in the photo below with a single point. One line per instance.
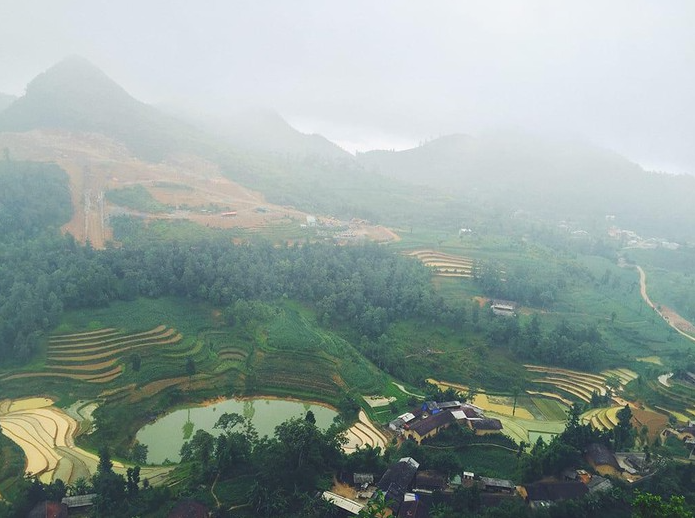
(165, 436)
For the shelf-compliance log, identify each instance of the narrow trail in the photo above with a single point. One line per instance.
(403, 389)
(645, 297)
(212, 490)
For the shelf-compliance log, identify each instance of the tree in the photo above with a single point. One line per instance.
(623, 433)
(109, 488)
(377, 507)
(647, 505)
(138, 453)
(310, 417)
(132, 482)
(190, 366)
(135, 362)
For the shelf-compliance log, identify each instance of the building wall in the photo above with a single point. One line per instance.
(410, 434)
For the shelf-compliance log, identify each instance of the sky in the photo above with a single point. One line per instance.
(391, 74)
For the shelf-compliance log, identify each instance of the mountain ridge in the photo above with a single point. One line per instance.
(76, 95)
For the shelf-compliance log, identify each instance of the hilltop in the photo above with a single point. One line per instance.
(551, 178)
(75, 95)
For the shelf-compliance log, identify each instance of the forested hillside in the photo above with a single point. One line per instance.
(553, 179)
(43, 272)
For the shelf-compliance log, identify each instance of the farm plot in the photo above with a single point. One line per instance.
(364, 433)
(298, 373)
(46, 435)
(445, 265)
(232, 354)
(578, 385)
(528, 430)
(94, 356)
(678, 398)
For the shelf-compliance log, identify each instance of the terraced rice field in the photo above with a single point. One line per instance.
(445, 265)
(528, 430)
(576, 384)
(302, 373)
(677, 399)
(232, 354)
(364, 433)
(501, 405)
(95, 356)
(46, 435)
(655, 360)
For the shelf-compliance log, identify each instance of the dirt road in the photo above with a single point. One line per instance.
(670, 317)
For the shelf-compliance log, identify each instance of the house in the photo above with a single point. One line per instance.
(189, 509)
(466, 413)
(577, 475)
(543, 494)
(401, 421)
(79, 501)
(341, 502)
(429, 426)
(632, 463)
(601, 458)
(598, 484)
(362, 479)
(49, 510)
(398, 480)
(429, 480)
(413, 507)
(687, 434)
(311, 221)
(505, 308)
(485, 426)
(497, 485)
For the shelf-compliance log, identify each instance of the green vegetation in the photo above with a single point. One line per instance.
(11, 467)
(135, 197)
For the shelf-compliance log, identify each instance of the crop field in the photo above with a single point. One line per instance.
(678, 399)
(576, 384)
(46, 436)
(94, 356)
(445, 265)
(524, 429)
(654, 421)
(601, 418)
(364, 433)
(296, 373)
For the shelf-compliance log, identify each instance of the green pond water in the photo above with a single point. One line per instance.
(166, 435)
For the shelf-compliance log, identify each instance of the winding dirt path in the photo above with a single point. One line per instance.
(666, 318)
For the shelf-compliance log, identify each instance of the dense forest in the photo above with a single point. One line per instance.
(365, 287)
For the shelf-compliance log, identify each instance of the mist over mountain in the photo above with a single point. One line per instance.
(76, 95)
(559, 178)
(504, 171)
(259, 130)
(6, 100)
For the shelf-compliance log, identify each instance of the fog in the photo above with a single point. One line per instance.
(390, 74)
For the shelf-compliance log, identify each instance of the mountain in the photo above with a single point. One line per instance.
(260, 131)
(77, 96)
(6, 100)
(256, 149)
(554, 178)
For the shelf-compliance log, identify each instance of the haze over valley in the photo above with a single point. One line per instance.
(362, 260)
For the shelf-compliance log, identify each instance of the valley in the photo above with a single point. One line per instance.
(292, 316)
